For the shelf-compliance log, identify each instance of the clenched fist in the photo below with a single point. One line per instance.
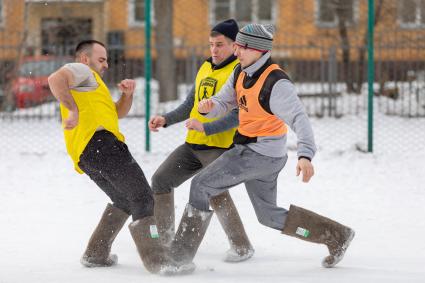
(193, 124)
(127, 86)
(205, 106)
(156, 122)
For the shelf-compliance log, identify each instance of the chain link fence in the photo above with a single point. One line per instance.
(320, 43)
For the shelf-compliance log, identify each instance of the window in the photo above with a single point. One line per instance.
(243, 11)
(411, 13)
(221, 10)
(327, 11)
(136, 12)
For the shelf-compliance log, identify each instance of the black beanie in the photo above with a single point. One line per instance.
(228, 28)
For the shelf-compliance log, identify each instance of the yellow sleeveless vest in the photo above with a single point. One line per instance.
(208, 83)
(96, 110)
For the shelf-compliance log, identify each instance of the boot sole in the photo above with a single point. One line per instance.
(112, 260)
(344, 248)
(233, 257)
(177, 270)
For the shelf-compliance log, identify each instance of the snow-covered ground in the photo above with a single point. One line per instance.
(48, 211)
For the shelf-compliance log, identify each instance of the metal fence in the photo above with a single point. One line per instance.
(325, 59)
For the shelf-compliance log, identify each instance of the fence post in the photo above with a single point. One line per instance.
(370, 73)
(148, 69)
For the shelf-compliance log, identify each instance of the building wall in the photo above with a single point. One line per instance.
(11, 30)
(190, 26)
(297, 34)
(39, 11)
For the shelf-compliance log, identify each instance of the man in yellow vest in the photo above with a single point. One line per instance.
(206, 140)
(268, 103)
(97, 148)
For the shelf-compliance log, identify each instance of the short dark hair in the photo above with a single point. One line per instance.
(214, 33)
(86, 45)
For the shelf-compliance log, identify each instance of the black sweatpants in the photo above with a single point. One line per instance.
(108, 162)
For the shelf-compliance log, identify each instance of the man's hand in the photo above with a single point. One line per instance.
(156, 122)
(205, 106)
(127, 87)
(72, 121)
(193, 124)
(305, 167)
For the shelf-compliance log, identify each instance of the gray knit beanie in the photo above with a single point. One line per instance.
(256, 36)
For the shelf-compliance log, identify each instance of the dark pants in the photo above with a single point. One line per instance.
(182, 164)
(108, 162)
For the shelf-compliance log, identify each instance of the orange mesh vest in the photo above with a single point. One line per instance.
(254, 121)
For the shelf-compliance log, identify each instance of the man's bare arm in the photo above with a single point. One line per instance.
(123, 105)
(59, 83)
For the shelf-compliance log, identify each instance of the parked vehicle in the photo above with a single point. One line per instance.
(1, 97)
(30, 86)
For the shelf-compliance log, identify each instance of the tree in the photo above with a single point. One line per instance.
(344, 15)
(166, 63)
(344, 18)
(12, 70)
(362, 48)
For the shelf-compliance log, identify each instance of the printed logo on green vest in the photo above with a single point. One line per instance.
(207, 88)
(154, 232)
(302, 232)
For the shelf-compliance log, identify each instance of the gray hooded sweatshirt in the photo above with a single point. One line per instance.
(284, 103)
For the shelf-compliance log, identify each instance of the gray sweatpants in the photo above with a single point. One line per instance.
(182, 164)
(243, 165)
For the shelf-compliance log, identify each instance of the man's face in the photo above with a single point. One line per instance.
(96, 59)
(221, 48)
(247, 56)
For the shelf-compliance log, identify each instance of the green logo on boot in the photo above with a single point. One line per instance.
(302, 232)
(154, 232)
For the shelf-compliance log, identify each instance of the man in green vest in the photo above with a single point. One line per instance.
(206, 140)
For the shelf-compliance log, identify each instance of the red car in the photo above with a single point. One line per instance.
(30, 86)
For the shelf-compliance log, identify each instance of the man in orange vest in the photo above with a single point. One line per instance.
(97, 148)
(268, 103)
